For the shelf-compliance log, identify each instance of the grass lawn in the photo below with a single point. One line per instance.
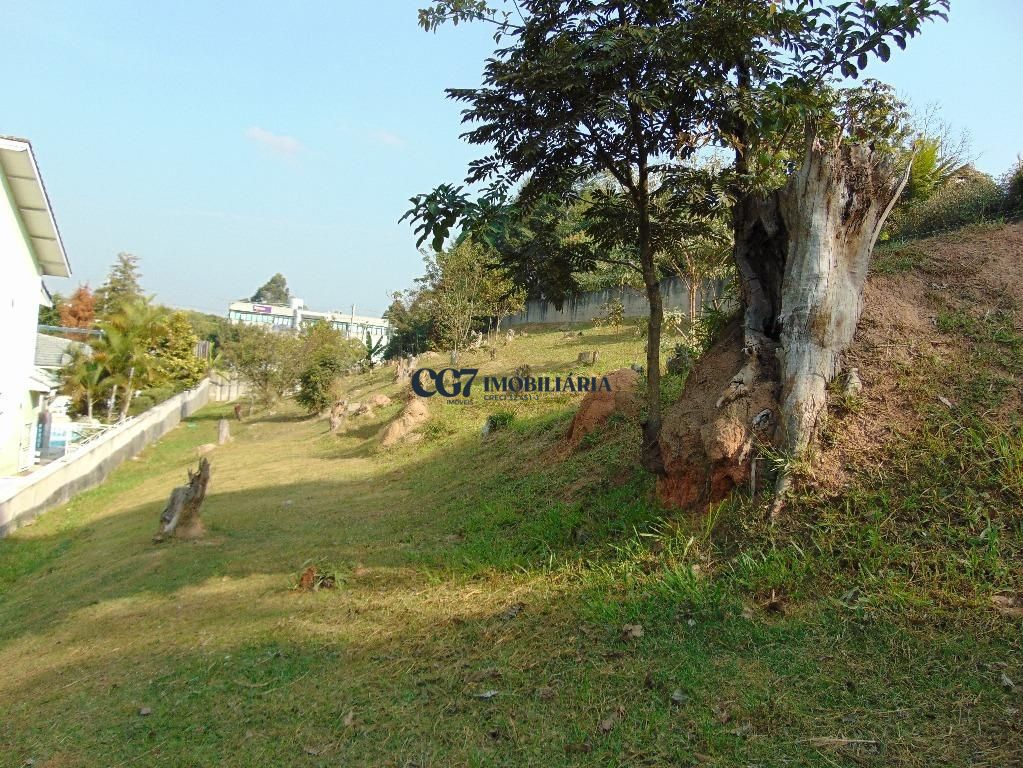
(483, 587)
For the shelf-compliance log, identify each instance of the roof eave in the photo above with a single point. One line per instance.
(45, 241)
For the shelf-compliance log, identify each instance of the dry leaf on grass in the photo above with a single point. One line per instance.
(1008, 605)
(512, 611)
(608, 723)
(632, 632)
(583, 748)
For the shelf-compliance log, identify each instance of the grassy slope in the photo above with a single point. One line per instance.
(878, 648)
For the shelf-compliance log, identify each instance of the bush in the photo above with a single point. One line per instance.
(318, 384)
(613, 314)
(148, 398)
(1012, 183)
(969, 198)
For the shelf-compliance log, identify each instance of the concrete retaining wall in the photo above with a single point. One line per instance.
(24, 498)
(588, 306)
(224, 389)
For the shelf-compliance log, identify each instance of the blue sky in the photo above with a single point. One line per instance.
(223, 144)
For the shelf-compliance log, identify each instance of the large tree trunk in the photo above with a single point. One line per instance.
(802, 256)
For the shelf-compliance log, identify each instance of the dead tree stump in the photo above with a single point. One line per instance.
(223, 432)
(338, 416)
(181, 516)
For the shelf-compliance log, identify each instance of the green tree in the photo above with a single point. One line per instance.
(128, 350)
(50, 315)
(206, 326)
(326, 355)
(83, 378)
(269, 361)
(465, 287)
(635, 89)
(174, 348)
(412, 324)
(273, 291)
(122, 286)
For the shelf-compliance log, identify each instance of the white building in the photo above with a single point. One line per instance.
(30, 248)
(296, 315)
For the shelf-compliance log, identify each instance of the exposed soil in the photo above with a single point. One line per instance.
(412, 416)
(709, 450)
(597, 407)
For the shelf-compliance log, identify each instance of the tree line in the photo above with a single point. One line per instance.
(132, 352)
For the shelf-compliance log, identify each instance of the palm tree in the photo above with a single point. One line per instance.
(126, 349)
(83, 377)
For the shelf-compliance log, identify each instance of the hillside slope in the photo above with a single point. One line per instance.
(488, 591)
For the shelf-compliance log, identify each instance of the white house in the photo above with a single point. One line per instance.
(30, 248)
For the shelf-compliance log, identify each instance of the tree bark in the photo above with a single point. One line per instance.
(181, 515)
(651, 454)
(833, 207)
(802, 256)
(111, 402)
(127, 394)
(693, 301)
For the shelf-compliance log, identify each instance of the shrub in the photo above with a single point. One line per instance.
(318, 384)
(1012, 183)
(501, 419)
(148, 398)
(969, 198)
(613, 314)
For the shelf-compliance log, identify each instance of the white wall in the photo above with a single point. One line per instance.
(20, 286)
(589, 306)
(24, 498)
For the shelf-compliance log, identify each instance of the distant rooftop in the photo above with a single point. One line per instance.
(55, 352)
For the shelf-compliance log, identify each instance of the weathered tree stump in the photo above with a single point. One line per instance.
(181, 516)
(338, 416)
(223, 432)
(588, 358)
(803, 255)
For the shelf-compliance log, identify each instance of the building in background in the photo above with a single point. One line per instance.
(30, 248)
(294, 316)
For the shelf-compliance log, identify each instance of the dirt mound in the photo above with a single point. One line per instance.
(708, 437)
(379, 401)
(597, 407)
(412, 416)
(710, 447)
(972, 273)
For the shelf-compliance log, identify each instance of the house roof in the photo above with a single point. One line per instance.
(55, 352)
(18, 166)
(42, 381)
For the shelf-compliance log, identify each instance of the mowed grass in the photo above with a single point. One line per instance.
(483, 589)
